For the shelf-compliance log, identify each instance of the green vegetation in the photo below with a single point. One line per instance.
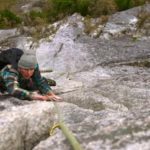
(126, 4)
(123, 4)
(58, 9)
(53, 10)
(66, 131)
(34, 18)
(140, 63)
(8, 19)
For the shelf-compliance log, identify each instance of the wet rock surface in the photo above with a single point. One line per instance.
(105, 86)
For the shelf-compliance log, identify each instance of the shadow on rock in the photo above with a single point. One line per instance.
(7, 101)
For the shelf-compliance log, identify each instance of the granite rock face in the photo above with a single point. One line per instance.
(104, 83)
(24, 126)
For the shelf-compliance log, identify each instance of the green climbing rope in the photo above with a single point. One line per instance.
(66, 131)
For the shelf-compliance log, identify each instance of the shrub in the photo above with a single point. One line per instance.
(123, 4)
(101, 7)
(82, 7)
(126, 4)
(65, 6)
(54, 10)
(8, 19)
(37, 16)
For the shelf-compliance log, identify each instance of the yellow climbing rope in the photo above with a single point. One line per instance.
(55, 125)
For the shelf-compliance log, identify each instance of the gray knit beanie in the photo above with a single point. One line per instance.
(27, 61)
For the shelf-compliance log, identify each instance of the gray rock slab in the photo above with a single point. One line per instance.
(124, 21)
(4, 34)
(105, 92)
(24, 126)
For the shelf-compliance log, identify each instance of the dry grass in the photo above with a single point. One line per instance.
(54, 10)
(90, 26)
(143, 25)
(138, 2)
(144, 18)
(102, 7)
(7, 4)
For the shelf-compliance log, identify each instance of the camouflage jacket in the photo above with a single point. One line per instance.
(12, 80)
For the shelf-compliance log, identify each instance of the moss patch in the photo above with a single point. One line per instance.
(141, 63)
